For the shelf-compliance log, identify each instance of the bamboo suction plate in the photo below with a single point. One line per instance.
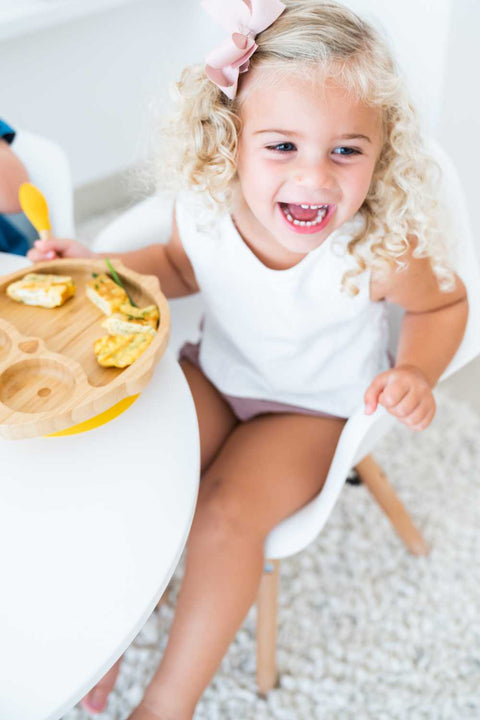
(49, 376)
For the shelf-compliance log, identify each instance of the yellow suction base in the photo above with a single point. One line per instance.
(98, 420)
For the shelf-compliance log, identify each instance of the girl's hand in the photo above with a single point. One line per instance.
(57, 248)
(405, 392)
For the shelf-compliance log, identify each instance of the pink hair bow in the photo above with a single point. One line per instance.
(243, 20)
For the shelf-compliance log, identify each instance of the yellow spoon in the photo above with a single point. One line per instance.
(35, 208)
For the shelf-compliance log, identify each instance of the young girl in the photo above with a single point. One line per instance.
(309, 202)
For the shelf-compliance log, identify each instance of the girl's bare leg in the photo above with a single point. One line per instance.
(216, 421)
(265, 470)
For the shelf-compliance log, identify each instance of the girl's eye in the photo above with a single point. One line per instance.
(282, 147)
(346, 151)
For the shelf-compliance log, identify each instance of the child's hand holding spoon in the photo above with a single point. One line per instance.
(47, 247)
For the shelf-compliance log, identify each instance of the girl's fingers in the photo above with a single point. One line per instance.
(421, 415)
(61, 247)
(394, 394)
(417, 416)
(373, 391)
(406, 405)
(35, 255)
(425, 421)
(42, 251)
(54, 245)
(42, 244)
(402, 396)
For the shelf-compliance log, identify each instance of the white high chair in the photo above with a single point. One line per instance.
(49, 170)
(149, 222)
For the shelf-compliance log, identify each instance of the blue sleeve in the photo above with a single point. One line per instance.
(11, 239)
(6, 132)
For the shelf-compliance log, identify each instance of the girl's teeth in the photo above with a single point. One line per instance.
(322, 211)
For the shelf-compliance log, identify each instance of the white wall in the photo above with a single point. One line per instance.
(89, 83)
(459, 125)
(418, 33)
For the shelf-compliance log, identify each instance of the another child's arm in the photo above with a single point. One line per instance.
(12, 175)
(432, 329)
(168, 261)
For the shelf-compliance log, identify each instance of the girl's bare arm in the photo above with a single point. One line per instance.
(432, 329)
(169, 261)
(434, 321)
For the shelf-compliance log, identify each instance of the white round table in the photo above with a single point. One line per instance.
(91, 529)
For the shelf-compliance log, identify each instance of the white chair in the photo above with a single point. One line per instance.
(360, 433)
(49, 170)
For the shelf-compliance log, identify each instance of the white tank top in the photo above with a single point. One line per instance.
(290, 336)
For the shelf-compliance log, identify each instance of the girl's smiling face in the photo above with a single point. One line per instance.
(306, 156)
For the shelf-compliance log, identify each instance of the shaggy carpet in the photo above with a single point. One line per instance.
(366, 631)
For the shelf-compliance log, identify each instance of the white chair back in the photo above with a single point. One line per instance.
(49, 170)
(467, 261)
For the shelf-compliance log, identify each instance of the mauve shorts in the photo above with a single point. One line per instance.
(246, 408)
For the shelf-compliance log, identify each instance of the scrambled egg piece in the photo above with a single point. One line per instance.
(149, 313)
(47, 291)
(106, 294)
(121, 350)
(132, 320)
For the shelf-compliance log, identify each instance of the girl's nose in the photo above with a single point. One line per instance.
(315, 175)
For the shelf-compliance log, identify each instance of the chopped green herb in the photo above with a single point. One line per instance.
(118, 281)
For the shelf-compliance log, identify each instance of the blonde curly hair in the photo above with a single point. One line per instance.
(401, 210)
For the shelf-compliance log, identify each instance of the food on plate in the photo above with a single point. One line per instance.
(42, 290)
(121, 350)
(106, 294)
(149, 313)
(132, 320)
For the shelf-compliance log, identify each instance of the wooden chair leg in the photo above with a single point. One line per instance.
(376, 481)
(267, 608)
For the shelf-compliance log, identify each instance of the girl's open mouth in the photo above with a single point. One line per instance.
(306, 218)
